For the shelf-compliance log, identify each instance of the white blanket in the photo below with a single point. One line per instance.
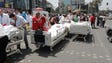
(81, 28)
(78, 27)
(2, 33)
(7, 30)
(56, 30)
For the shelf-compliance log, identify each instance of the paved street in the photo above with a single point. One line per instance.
(70, 51)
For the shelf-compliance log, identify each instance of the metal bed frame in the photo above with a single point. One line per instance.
(16, 38)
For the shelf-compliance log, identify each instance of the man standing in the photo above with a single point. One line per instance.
(4, 18)
(92, 19)
(20, 22)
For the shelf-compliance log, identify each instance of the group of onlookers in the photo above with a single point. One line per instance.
(95, 20)
(101, 19)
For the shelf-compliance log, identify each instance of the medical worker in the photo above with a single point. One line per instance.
(4, 18)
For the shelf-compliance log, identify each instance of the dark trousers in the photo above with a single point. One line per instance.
(103, 23)
(93, 24)
(98, 22)
(25, 39)
(3, 43)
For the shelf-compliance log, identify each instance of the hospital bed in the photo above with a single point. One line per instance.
(82, 29)
(16, 36)
(51, 37)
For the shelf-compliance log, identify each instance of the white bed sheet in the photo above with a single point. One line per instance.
(78, 27)
(56, 30)
(7, 30)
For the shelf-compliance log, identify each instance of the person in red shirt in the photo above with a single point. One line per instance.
(38, 22)
(92, 20)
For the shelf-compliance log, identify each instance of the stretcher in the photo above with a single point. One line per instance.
(51, 37)
(15, 36)
(83, 29)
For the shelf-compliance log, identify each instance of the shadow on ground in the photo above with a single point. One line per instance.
(89, 39)
(15, 58)
(45, 52)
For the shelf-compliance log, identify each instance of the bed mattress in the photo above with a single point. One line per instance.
(8, 30)
(78, 27)
(56, 30)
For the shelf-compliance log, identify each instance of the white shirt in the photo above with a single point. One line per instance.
(70, 16)
(29, 19)
(64, 20)
(4, 19)
(20, 21)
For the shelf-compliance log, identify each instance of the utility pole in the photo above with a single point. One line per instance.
(79, 5)
(107, 7)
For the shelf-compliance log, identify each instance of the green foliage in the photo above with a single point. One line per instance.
(94, 5)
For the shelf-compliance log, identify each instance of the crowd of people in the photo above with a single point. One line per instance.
(94, 19)
(25, 19)
(53, 18)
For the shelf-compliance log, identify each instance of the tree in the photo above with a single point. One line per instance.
(49, 7)
(95, 4)
(61, 7)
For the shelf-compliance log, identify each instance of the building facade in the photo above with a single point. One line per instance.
(77, 3)
(74, 4)
(106, 5)
(2, 3)
(23, 4)
(39, 3)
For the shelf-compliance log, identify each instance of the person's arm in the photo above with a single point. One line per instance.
(61, 20)
(51, 20)
(24, 22)
(8, 20)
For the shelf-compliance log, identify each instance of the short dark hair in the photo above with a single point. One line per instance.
(37, 13)
(12, 15)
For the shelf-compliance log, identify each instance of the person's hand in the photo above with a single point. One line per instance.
(4, 24)
(19, 27)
